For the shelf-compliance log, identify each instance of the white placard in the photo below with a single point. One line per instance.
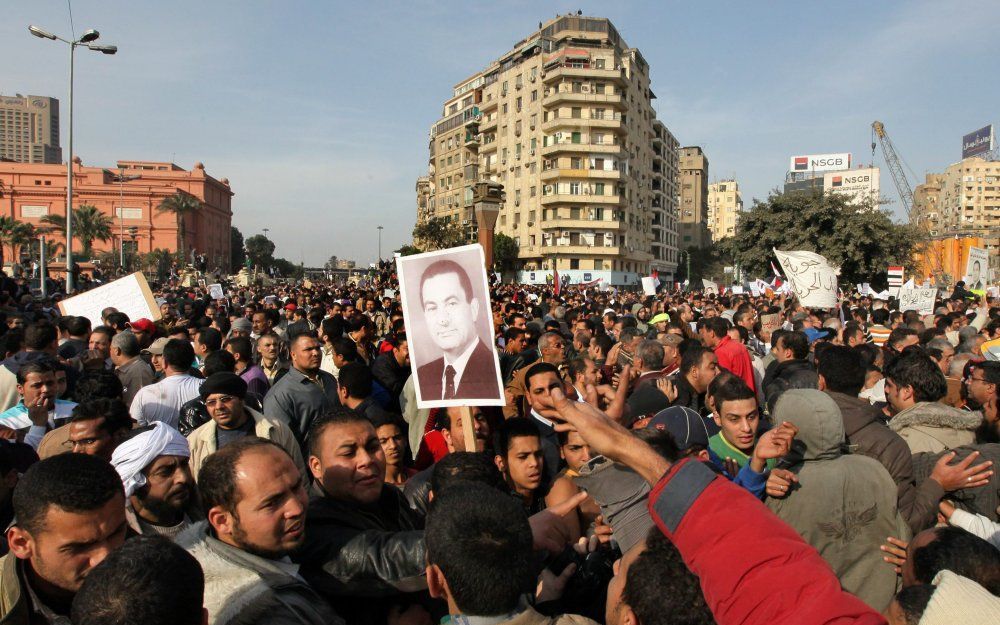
(737, 290)
(709, 287)
(389, 293)
(130, 295)
(215, 290)
(977, 269)
(813, 278)
(649, 285)
(918, 299)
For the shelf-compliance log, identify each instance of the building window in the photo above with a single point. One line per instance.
(574, 263)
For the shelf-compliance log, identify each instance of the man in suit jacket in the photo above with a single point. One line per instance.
(467, 369)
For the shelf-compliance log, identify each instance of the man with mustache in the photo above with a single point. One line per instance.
(153, 465)
(467, 367)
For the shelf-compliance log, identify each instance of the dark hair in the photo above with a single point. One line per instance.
(210, 338)
(730, 388)
(147, 581)
(913, 601)
(42, 366)
(880, 316)
(842, 368)
(960, 552)
(218, 361)
(77, 326)
(691, 357)
(466, 466)
(575, 366)
(178, 354)
(660, 588)
(481, 541)
(442, 267)
(719, 326)
(991, 372)
(797, 342)
(241, 346)
(117, 320)
(115, 414)
(915, 369)
(604, 343)
(651, 353)
(98, 384)
(537, 369)
(898, 335)
(217, 477)
(335, 416)
(40, 335)
(512, 333)
(71, 482)
(511, 429)
(13, 341)
(356, 378)
(345, 348)
(332, 328)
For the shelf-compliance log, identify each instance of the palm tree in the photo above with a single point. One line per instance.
(180, 204)
(89, 224)
(15, 234)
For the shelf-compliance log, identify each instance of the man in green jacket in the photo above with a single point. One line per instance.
(70, 512)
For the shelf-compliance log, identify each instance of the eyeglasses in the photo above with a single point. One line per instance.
(225, 399)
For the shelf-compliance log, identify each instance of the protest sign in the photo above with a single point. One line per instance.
(770, 322)
(130, 295)
(216, 292)
(737, 290)
(446, 308)
(976, 269)
(918, 299)
(709, 287)
(389, 293)
(649, 285)
(813, 279)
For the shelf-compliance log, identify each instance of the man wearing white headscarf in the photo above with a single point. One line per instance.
(153, 465)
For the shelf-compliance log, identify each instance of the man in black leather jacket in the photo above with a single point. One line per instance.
(362, 539)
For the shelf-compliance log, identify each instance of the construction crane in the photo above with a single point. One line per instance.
(894, 163)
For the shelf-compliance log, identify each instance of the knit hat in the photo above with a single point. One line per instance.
(958, 599)
(660, 317)
(225, 383)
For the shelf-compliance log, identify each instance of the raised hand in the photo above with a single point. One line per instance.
(896, 552)
(954, 477)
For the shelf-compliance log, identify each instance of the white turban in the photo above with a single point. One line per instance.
(138, 452)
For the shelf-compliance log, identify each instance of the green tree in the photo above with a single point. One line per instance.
(409, 250)
(89, 225)
(15, 235)
(237, 256)
(861, 240)
(181, 204)
(260, 249)
(504, 252)
(439, 233)
(286, 268)
(331, 263)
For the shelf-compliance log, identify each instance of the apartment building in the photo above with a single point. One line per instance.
(725, 203)
(963, 201)
(29, 129)
(564, 120)
(693, 198)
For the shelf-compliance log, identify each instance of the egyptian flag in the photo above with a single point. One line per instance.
(801, 163)
(556, 281)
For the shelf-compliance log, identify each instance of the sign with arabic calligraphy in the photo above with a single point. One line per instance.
(920, 300)
(813, 278)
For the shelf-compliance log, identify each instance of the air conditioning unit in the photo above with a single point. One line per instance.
(542, 74)
(531, 126)
(531, 152)
(532, 78)
(586, 88)
(503, 161)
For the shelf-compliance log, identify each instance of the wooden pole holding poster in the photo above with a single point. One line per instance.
(468, 429)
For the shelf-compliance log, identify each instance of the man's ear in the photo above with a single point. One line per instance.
(22, 545)
(821, 384)
(499, 461)
(437, 585)
(628, 615)
(315, 467)
(222, 521)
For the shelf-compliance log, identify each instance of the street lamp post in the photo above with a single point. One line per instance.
(85, 40)
(379, 242)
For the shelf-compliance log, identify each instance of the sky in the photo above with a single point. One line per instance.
(318, 111)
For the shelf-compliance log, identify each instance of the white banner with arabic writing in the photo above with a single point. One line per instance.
(813, 278)
(919, 299)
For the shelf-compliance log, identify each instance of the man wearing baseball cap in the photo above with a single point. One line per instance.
(144, 330)
(155, 354)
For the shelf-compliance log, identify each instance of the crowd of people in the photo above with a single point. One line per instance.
(680, 458)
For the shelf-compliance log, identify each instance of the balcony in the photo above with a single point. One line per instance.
(581, 174)
(565, 223)
(611, 122)
(570, 97)
(579, 198)
(580, 250)
(558, 73)
(611, 149)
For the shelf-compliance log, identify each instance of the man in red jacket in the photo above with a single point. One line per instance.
(733, 356)
(753, 568)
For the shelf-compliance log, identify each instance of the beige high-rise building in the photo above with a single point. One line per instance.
(564, 120)
(725, 203)
(964, 200)
(693, 207)
(29, 129)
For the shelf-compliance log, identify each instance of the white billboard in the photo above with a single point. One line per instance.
(820, 162)
(858, 184)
